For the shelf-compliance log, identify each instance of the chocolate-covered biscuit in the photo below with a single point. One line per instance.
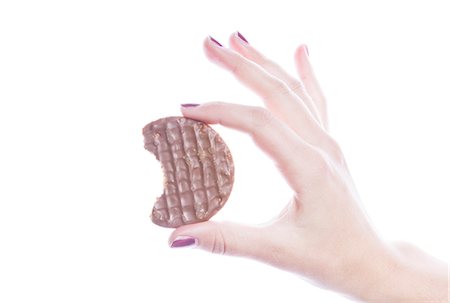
(198, 170)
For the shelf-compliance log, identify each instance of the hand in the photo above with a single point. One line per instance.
(322, 233)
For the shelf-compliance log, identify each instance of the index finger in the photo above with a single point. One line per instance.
(293, 155)
(276, 94)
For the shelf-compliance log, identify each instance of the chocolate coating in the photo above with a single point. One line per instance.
(198, 170)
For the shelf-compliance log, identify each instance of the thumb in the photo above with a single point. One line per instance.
(224, 238)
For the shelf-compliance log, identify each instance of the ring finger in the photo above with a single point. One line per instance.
(276, 94)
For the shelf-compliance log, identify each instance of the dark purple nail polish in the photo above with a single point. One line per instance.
(215, 41)
(186, 105)
(183, 242)
(307, 50)
(242, 37)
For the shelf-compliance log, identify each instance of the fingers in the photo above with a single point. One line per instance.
(309, 79)
(277, 95)
(240, 44)
(270, 134)
(222, 238)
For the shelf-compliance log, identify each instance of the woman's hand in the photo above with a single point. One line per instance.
(322, 233)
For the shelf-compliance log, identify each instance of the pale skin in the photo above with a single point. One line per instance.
(322, 234)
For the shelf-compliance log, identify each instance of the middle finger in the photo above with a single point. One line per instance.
(239, 44)
(276, 94)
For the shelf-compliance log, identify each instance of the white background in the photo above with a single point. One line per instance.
(79, 80)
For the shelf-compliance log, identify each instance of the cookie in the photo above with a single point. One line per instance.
(197, 166)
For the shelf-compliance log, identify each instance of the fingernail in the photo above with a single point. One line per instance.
(184, 241)
(307, 50)
(242, 37)
(189, 105)
(215, 41)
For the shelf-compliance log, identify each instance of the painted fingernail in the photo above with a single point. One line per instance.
(184, 241)
(215, 41)
(189, 105)
(242, 37)
(307, 50)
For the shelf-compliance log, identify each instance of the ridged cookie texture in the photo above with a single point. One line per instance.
(198, 170)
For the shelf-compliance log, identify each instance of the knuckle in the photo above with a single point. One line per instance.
(267, 64)
(275, 88)
(284, 87)
(219, 246)
(305, 76)
(318, 164)
(280, 88)
(334, 151)
(238, 68)
(260, 117)
(321, 166)
(321, 169)
(297, 86)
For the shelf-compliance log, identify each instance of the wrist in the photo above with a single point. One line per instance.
(396, 275)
